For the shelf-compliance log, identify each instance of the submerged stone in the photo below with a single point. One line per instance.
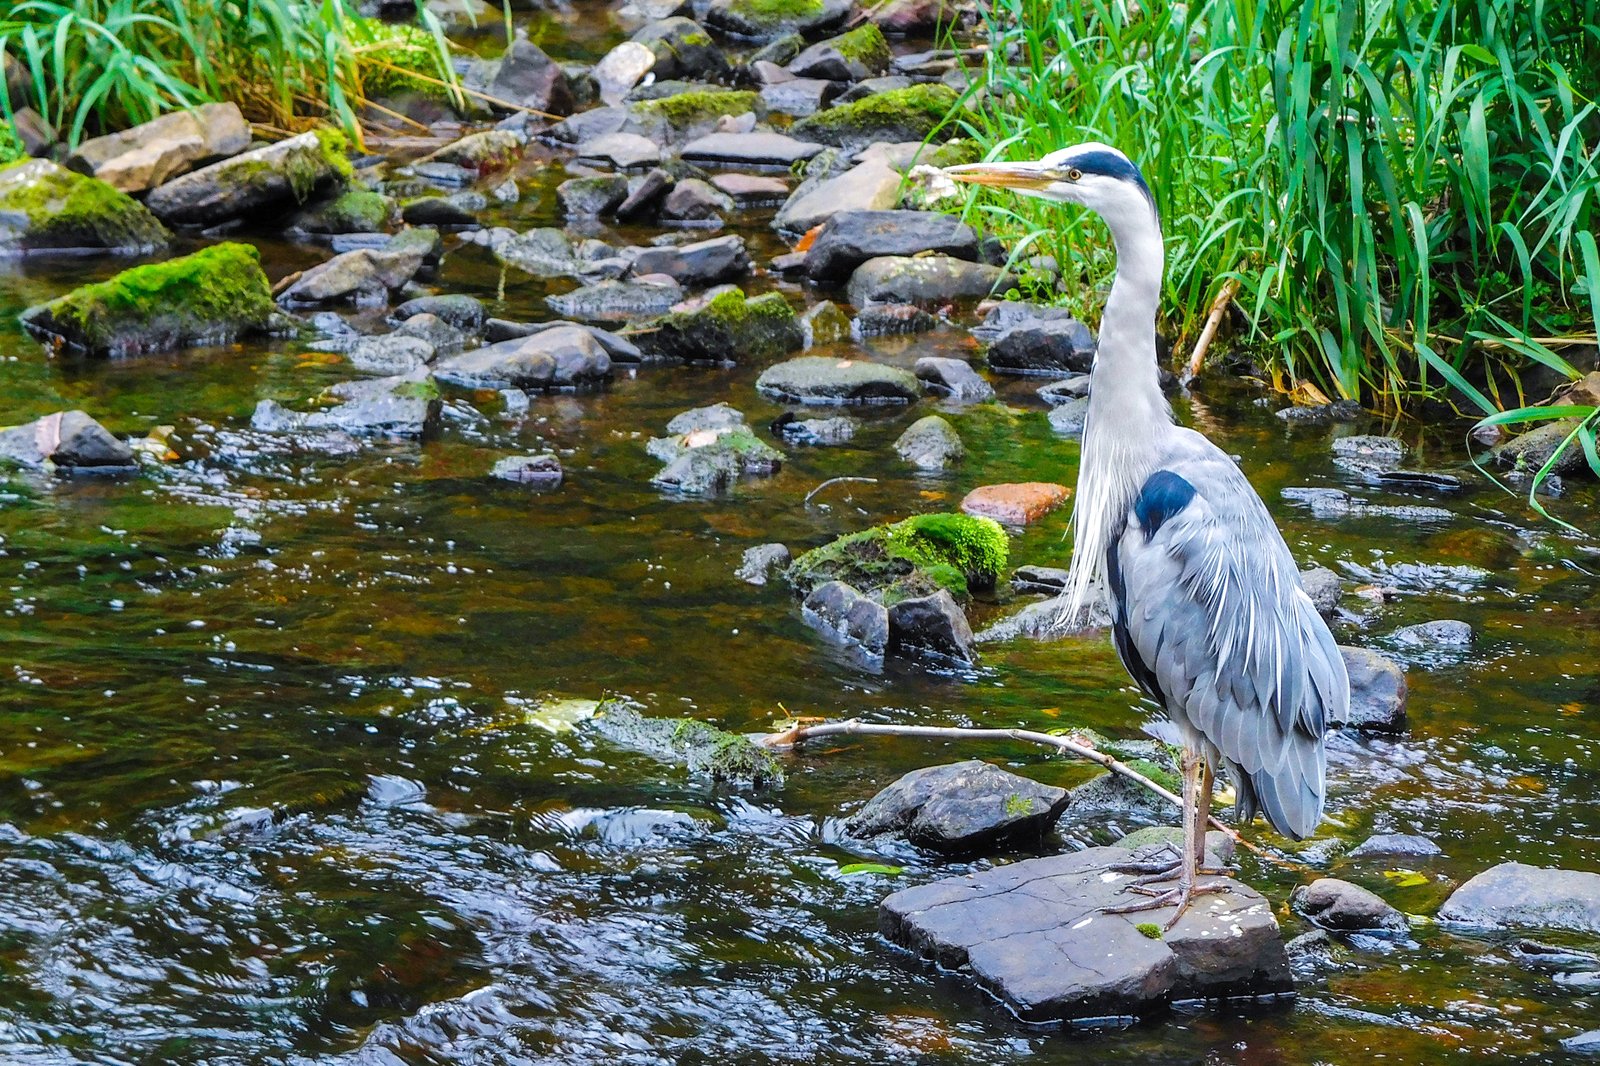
(405, 406)
(761, 562)
(540, 471)
(1036, 935)
(616, 300)
(66, 440)
(709, 461)
(48, 208)
(841, 611)
(211, 297)
(1514, 894)
(700, 747)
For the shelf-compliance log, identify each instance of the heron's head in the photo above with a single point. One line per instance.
(1093, 175)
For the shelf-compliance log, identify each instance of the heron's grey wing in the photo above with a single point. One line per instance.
(1212, 623)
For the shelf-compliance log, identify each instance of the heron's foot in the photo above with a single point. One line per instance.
(1164, 870)
(1179, 896)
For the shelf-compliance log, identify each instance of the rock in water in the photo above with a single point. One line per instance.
(67, 440)
(1377, 692)
(932, 626)
(620, 70)
(138, 159)
(816, 379)
(850, 238)
(540, 471)
(1334, 904)
(729, 328)
(930, 443)
(1035, 934)
(567, 356)
(1015, 504)
(211, 297)
(47, 208)
(758, 563)
(961, 808)
(840, 610)
(1515, 894)
(932, 279)
(954, 378)
(265, 179)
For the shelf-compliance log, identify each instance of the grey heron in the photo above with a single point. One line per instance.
(1208, 614)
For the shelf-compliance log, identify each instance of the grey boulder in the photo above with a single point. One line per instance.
(1513, 894)
(568, 356)
(1377, 692)
(1343, 907)
(838, 610)
(962, 808)
(815, 379)
(930, 443)
(932, 627)
(954, 378)
(933, 279)
(850, 238)
(263, 179)
(66, 440)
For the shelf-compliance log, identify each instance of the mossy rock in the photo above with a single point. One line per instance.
(911, 114)
(277, 176)
(352, 211)
(765, 20)
(913, 557)
(729, 327)
(682, 113)
(855, 56)
(688, 742)
(45, 207)
(211, 297)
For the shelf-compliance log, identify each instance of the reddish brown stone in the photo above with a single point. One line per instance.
(1015, 505)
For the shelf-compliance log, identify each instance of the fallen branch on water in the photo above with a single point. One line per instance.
(854, 727)
(836, 481)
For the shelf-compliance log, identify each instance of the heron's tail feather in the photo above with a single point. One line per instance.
(1290, 798)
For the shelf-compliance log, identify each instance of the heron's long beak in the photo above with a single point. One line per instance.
(1001, 175)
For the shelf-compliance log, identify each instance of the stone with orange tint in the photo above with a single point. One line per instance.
(1017, 504)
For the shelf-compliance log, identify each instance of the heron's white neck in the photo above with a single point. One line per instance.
(1128, 415)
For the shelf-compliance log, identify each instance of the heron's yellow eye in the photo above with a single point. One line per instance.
(1074, 174)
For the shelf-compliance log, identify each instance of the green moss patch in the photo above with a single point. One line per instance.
(910, 114)
(956, 552)
(352, 211)
(775, 13)
(865, 45)
(210, 297)
(48, 207)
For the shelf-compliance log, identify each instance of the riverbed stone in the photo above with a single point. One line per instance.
(751, 190)
(711, 465)
(458, 309)
(716, 416)
(1018, 504)
(893, 320)
(266, 179)
(1027, 339)
(749, 149)
(1377, 691)
(618, 300)
(1441, 633)
(541, 471)
(1067, 389)
(622, 150)
(1036, 935)
(693, 200)
(816, 379)
(1336, 503)
(930, 443)
(954, 378)
(364, 278)
(592, 196)
(1408, 845)
(138, 159)
(870, 185)
(45, 207)
(962, 808)
(1583, 1043)
(933, 279)
(390, 355)
(1069, 419)
(850, 238)
(729, 328)
(403, 406)
(213, 296)
(760, 563)
(354, 210)
(683, 49)
(854, 56)
(839, 610)
(525, 76)
(932, 626)
(1325, 587)
(1514, 894)
(915, 113)
(1529, 451)
(797, 97)
(66, 440)
(815, 432)
(1343, 907)
(566, 357)
(757, 21)
(707, 262)
(620, 69)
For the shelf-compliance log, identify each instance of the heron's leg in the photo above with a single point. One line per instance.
(1208, 780)
(1193, 851)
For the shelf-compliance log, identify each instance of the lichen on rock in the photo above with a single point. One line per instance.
(211, 297)
(729, 328)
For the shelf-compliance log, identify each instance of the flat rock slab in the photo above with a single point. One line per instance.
(1036, 936)
(751, 149)
(817, 379)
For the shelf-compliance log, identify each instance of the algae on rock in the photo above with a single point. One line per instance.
(211, 297)
(729, 328)
(45, 207)
(913, 557)
(702, 748)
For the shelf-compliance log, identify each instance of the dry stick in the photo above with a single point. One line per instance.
(835, 481)
(1230, 288)
(856, 727)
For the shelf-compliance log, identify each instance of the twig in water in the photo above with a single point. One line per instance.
(835, 481)
(854, 727)
(1230, 288)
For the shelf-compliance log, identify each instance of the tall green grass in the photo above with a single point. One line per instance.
(100, 65)
(1404, 190)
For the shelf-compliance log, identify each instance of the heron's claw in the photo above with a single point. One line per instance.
(1179, 896)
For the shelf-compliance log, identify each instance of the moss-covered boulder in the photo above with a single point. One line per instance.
(911, 558)
(855, 56)
(268, 179)
(729, 328)
(911, 114)
(687, 114)
(700, 747)
(211, 297)
(708, 461)
(683, 49)
(48, 208)
(352, 211)
(767, 20)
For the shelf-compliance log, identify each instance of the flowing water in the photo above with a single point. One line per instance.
(271, 789)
